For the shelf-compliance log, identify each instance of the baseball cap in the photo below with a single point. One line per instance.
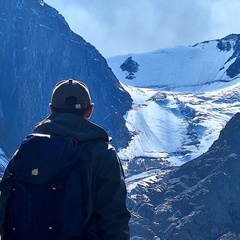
(70, 94)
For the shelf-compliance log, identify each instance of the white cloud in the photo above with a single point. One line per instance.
(120, 27)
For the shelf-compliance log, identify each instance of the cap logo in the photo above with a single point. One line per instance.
(35, 172)
(78, 106)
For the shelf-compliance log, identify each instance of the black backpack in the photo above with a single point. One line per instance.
(49, 190)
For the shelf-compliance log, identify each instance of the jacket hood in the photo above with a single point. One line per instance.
(71, 125)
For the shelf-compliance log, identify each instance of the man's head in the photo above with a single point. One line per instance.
(71, 96)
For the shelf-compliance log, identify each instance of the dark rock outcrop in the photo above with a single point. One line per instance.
(197, 201)
(231, 42)
(131, 67)
(37, 50)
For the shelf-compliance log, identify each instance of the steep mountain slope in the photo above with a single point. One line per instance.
(199, 200)
(174, 127)
(37, 50)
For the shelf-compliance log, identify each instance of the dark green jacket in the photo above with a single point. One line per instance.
(107, 192)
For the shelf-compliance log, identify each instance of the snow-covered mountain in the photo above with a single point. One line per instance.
(182, 98)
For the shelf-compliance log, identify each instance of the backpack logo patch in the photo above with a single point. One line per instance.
(35, 172)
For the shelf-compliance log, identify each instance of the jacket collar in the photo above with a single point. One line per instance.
(71, 125)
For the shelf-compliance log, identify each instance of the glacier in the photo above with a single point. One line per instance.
(182, 98)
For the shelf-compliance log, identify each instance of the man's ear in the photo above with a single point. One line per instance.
(51, 108)
(89, 111)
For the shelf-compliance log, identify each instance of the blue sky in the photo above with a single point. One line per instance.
(135, 26)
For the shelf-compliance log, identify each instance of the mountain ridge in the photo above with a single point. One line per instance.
(222, 55)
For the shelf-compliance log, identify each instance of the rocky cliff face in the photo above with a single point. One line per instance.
(37, 50)
(197, 201)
